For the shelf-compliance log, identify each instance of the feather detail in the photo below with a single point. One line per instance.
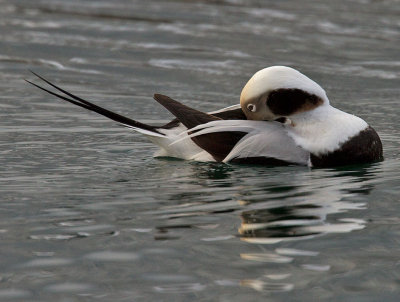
(262, 139)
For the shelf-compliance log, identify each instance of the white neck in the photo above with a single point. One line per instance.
(324, 129)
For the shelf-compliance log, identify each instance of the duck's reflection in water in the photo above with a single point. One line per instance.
(303, 216)
(275, 209)
(288, 223)
(295, 222)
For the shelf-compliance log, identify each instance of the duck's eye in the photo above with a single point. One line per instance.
(251, 107)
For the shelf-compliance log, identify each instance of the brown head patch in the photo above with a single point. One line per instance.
(289, 101)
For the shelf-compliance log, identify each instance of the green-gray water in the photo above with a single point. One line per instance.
(86, 212)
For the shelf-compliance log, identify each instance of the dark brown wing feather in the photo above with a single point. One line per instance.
(217, 144)
(233, 114)
(188, 116)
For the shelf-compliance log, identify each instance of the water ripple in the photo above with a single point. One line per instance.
(68, 287)
(44, 262)
(264, 286)
(112, 256)
(87, 213)
(180, 288)
(14, 293)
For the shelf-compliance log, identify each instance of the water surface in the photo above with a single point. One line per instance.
(86, 212)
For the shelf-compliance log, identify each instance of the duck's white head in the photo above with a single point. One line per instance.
(280, 91)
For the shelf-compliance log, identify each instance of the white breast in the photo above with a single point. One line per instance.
(324, 129)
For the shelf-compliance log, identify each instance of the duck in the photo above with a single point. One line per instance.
(283, 118)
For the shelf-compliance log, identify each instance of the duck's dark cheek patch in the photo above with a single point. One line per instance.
(289, 101)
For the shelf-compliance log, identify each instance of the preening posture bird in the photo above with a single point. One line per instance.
(283, 118)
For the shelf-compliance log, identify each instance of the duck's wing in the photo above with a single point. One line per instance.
(218, 144)
(233, 112)
(264, 142)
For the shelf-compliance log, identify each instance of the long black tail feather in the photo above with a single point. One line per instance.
(92, 107)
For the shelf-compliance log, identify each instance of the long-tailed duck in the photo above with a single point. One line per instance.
(283, 118)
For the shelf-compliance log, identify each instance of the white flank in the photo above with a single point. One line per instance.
(263, 139)
(185, 149)
(174, 143)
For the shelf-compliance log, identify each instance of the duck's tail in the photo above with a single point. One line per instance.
(73, 99)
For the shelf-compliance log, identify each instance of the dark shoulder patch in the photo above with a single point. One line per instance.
(220, 144)
(217, 144)
(365, 147)
(286, 101)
